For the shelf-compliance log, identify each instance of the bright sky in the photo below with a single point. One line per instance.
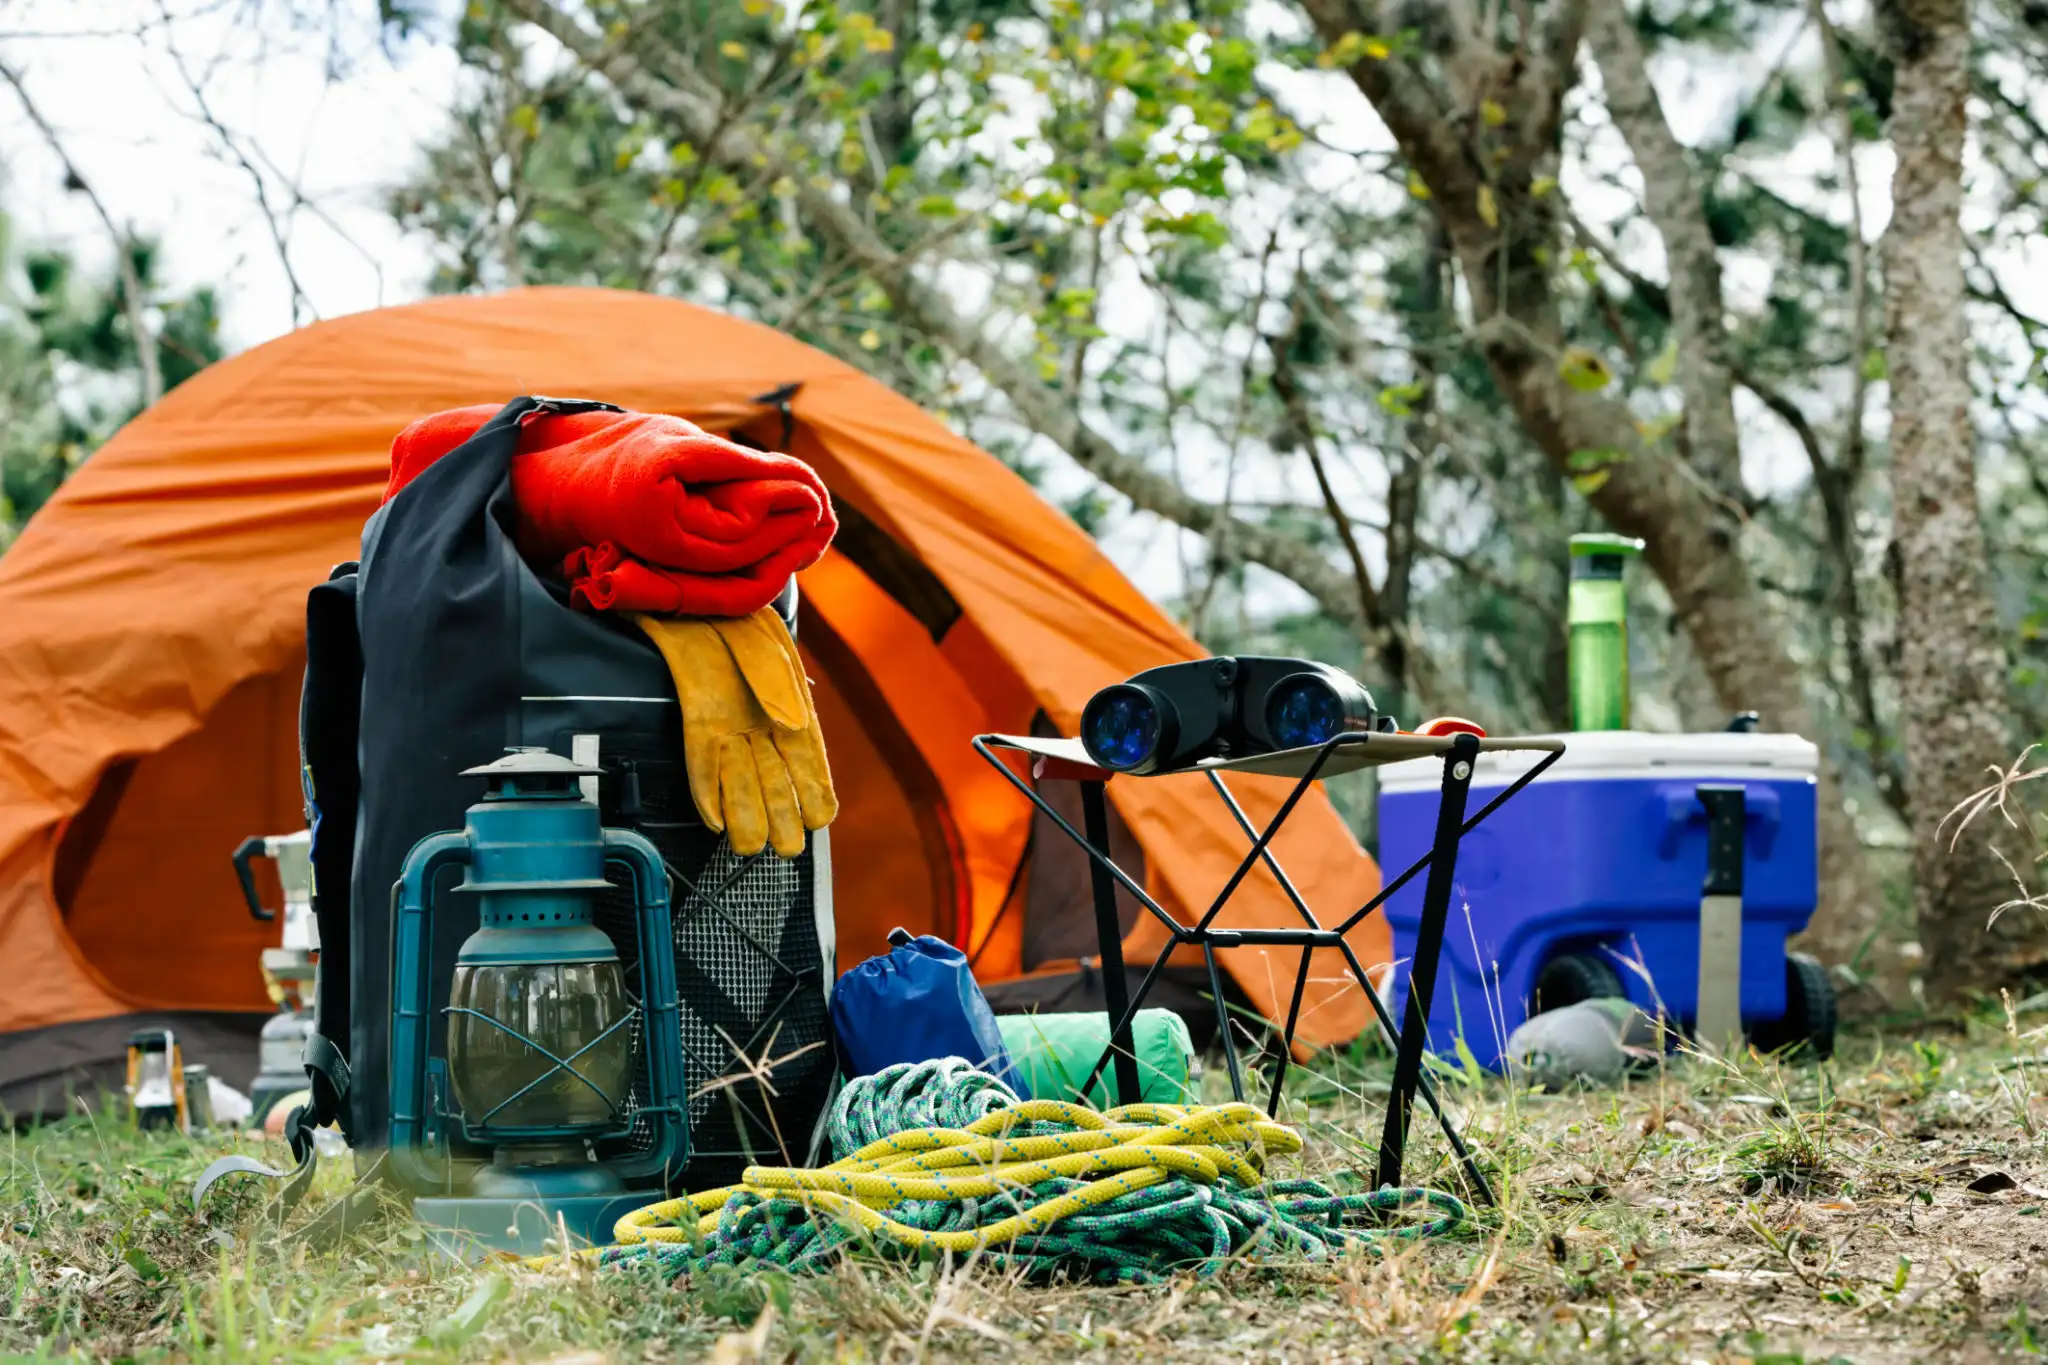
(341, 121)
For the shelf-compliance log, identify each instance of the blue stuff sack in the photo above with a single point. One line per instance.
(917, 1003)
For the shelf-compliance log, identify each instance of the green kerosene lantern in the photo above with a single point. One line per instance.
(537, 1077)
(1597, 631)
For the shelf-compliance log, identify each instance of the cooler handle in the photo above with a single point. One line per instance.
(1682, 810)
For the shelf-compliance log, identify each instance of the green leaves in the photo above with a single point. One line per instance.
(1665, 364)
(1590, 469)
(1204, 227)
(1584, 370)
(1397, 400)
(1266, 127)
(1653, 429)
(1350, 49)
(69, 365)
(1074, 303)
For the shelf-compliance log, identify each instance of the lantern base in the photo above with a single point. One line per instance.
(472, 1230)
(538, 1172)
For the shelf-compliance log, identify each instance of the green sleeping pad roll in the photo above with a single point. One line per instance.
(1055, 1052)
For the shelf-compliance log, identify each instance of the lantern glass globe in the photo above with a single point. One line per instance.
(564, 1007)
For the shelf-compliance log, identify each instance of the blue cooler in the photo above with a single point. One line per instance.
(1588, 881)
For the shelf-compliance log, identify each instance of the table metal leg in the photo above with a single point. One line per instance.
(1372, 996)
(1223, 1022)
(1109, 934)
(1285, 1054)
(1429, 942)
(1387, 889)
(1121, 1023)
(1425, 1088)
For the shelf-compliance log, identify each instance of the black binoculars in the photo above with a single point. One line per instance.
(1173, 717)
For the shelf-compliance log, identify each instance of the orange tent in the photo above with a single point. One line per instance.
(151, 644)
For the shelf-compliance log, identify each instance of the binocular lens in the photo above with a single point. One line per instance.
(1307, 710)
(1121, 726)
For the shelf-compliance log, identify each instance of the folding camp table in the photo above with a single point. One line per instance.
(1056, 759)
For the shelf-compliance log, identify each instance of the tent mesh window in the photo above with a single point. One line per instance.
(757, 1057)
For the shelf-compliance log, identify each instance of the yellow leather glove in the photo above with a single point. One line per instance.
(751, 742)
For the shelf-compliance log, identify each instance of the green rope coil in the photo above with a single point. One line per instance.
(948, 1093)
(1166, 1189)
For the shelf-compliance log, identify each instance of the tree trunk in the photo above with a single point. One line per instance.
(1952, 666)
(1504, 240)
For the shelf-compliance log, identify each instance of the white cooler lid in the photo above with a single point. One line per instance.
(1610, 755)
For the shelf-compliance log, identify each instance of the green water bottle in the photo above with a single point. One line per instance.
(1597, 631)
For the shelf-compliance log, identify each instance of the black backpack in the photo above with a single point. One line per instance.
(437, 652)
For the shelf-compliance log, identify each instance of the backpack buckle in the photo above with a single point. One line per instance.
(544, 406)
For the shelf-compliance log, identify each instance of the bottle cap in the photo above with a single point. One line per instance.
(1605, 543)
(1601, 556)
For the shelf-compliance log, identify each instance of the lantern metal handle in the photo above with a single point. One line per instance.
(410, 998)
(670, 1145)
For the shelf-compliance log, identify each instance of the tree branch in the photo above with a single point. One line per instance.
(280, 231)
(1855, 450)
(1837, 492)
(133, 304)
(1404, 481)
(1288, 386)
(680, 93)
(1671, 196)
(1993, 293)
(1219, 553)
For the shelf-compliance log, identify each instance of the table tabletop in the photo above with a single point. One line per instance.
(1367, 750)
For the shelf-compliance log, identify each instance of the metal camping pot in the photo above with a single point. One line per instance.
(198, 1098)
(293, 855)
(280, 1061)
(291, 969)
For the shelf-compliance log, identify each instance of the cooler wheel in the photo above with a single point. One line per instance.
(1569, 978)
(1809, 1022)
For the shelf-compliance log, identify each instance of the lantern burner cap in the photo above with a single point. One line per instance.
(533, 762)
(529, 774)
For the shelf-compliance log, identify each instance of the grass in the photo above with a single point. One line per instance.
(1891, 1205)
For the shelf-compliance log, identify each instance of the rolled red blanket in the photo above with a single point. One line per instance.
(646, 512)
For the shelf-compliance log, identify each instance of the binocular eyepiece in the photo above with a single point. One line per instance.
(1174, 716)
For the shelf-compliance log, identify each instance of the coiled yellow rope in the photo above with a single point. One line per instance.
(1131, 1147)
(1052, 1186)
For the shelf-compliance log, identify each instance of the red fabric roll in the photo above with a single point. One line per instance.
(646, 512)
